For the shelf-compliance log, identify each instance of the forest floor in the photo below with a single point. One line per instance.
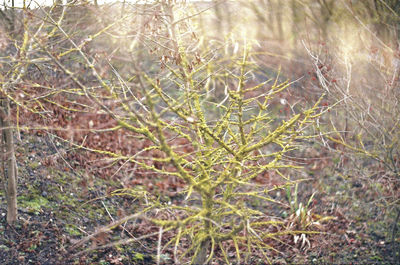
(59, 204)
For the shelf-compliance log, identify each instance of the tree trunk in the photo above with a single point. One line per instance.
(9, 162)
(202, 256)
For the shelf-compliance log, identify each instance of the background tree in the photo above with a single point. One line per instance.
(9, 81)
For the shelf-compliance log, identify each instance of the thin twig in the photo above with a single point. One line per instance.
(394, 233)
(159, 245)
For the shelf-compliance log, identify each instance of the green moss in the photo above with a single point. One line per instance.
(4, 248)
(66, 199)
(100, 212)
(73, 230)
(33, 247)
(103, 262)
(33, 202)
(64, 179)
(34, 165)
(376, 258)
(20, 149)
(378, 186)
(138, 256)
